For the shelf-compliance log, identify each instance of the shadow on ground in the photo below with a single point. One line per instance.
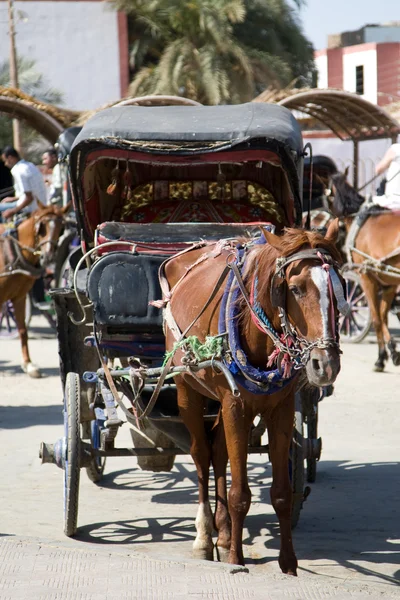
(18, 417)
(350, 518)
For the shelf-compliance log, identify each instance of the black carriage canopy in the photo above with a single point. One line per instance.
(136, 164)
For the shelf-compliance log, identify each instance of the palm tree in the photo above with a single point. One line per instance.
(274, 26)
(214, 51)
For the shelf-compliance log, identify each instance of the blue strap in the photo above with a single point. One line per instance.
(249, 377)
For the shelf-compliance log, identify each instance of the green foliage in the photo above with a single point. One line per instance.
(215, 51)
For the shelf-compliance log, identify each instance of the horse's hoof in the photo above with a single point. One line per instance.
(31, 370)
(378, 367)
(288, 566)
(203, 553)
(222, 554)
(396, 358)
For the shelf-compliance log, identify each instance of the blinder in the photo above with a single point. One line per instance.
(40, 228)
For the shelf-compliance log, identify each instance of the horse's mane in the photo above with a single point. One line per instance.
(347, 200)
(262, 260)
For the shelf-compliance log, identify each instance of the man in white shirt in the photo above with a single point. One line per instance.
(391, 163)
(53, 181)
(29, 185)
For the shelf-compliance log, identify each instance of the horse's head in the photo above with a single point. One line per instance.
(308, 291)
(48, 224)
(346, 200)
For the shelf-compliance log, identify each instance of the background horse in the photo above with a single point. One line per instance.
(21, 258)
(379, 238)
(304, 293)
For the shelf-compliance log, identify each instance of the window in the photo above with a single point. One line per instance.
(360, 79)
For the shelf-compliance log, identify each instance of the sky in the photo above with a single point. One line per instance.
(323, 17)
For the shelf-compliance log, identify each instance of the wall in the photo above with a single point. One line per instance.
(75, 45)
(366, 55)
(384, 34)
(388, 56)
(321, 62)
(370, 153)
(335, 68)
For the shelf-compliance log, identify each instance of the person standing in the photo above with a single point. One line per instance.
(53, 177)
(391, 163)
(29, 186)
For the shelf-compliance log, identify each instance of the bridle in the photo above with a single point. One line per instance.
(293, 349)
(298, 348)
(49, 218)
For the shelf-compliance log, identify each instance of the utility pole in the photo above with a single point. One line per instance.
(13, 71)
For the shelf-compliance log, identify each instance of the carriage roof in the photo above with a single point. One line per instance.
(191, 135)
(228, 125)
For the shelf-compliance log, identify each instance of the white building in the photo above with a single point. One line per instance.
(365, 62)
(79, 46)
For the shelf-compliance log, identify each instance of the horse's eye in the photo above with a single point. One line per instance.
(295, 290)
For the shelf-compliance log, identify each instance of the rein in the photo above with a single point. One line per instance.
(292, 350)
(289, 346)
(20, 265)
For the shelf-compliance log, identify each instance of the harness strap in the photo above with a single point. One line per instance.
(19, 264)
(168, 364)
(254, 315)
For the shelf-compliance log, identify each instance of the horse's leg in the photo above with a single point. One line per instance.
(387, 297)
(191, 408)
(19, 314)
(222, 520)
(280, 430)
(371, 289)
(237, 424)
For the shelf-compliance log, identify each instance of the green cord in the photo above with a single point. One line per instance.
(211, 348)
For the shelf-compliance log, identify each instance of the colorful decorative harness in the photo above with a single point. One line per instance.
(291, 352)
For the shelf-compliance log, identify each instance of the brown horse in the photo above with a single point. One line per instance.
(21, 259)
(378, 239)
(304, 308)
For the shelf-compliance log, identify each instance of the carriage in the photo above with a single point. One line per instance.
(147, 183)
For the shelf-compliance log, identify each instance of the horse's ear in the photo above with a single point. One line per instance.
(346, 172)
(333, 231)
(273, 240)
(40, 205)
(66, 208)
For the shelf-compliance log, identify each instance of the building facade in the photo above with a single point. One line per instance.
(365, 62)
(80, 47)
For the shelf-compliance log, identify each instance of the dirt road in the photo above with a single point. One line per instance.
(349, 530)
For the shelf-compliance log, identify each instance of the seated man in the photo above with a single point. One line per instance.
(29, 188)
(391, 163)
(29, 185)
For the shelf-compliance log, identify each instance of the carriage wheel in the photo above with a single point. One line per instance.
(91, 431)
(296, 461)
(73, 451)
(8, 326)
(355, 326)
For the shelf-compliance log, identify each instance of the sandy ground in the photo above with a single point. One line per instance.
(349, 530)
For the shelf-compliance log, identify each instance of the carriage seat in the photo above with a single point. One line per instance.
(168, 238)
(120, 286)
(123, 280)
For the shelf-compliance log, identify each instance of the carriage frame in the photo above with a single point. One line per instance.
(243, 166)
